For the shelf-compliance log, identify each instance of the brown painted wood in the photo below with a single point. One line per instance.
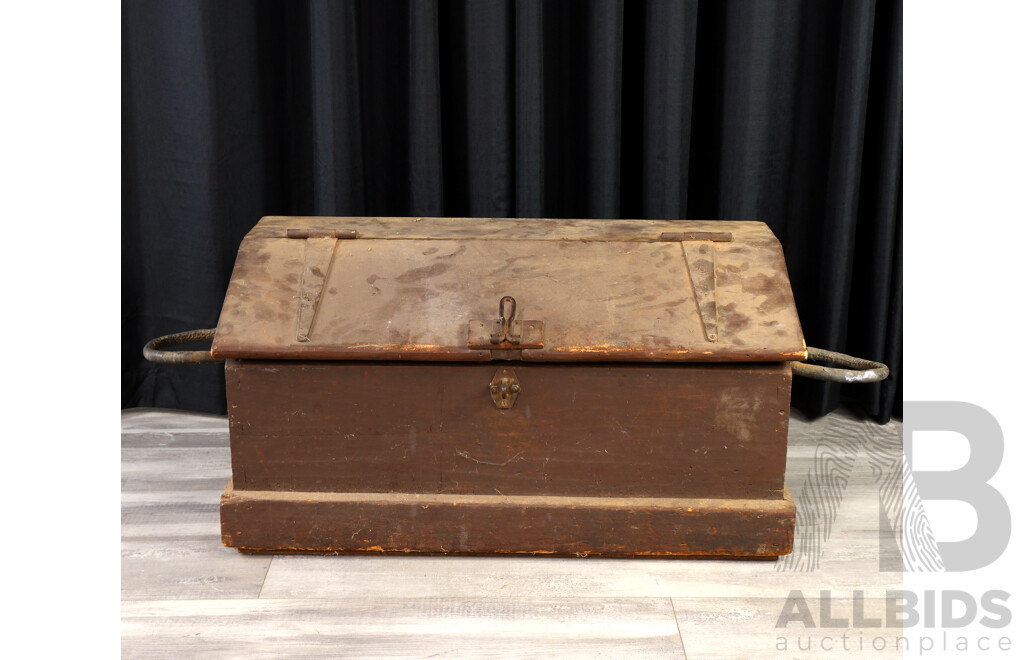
(258, 521)
(408, 288)
(713, 431)
(651, 382)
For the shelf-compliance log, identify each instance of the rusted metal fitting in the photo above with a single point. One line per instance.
(505, 329)
(505, 388)
(151, 351)
(859, 371)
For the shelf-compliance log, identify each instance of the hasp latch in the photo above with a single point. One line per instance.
(506, 336)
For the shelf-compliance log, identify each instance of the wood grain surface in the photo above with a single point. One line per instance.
(715, 431)
(408, 289)
(625, 460)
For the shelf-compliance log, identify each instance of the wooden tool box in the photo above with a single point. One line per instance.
(457, 385)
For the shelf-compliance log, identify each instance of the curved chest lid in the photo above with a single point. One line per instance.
(439, 289)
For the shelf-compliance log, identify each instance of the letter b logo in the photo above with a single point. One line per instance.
(967, 484)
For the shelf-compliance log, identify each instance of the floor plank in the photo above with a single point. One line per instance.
(151, 439)
(385, 627)
(751, 628)
(188, 569)
(356, 577)
(145, 419)
(174, 469)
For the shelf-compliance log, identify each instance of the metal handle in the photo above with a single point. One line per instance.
(859, 371)
(151, 351)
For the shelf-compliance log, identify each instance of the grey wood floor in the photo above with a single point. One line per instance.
(185, 595)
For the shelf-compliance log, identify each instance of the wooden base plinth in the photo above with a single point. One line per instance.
(314, 522)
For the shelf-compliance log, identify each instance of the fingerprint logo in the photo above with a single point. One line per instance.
(818, 499)
(920, 552)
(906, 541)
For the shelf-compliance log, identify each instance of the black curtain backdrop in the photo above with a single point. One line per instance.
(786, 112)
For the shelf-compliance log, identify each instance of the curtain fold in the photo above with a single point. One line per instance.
(788, 112)
(669, 41)
(529, 109)
(336, 140)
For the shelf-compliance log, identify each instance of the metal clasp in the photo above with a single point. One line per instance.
(505, 332)
(506, 336)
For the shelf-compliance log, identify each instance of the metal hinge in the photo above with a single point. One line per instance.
(699, 253)
(317, 258)
(340, 234)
